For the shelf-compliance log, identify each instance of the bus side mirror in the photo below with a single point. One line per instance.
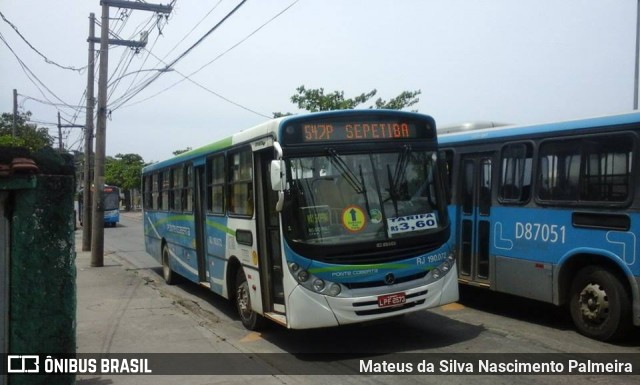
(278, 181)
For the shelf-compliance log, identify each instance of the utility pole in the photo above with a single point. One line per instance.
(15, 113)
(637, 70)
(97, 212)
(60, 126)
(88, 140)
(97, 228)
(59, 133)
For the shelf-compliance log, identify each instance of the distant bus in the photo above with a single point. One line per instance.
(111, 199)
(552, 212)
(111, 205)
(311, 220)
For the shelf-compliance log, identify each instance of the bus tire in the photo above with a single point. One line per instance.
(168, 274)
(250, 319)
(599, 304)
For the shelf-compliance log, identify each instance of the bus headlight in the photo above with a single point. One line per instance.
(302, 276)
(334, 289)
(313, 283)
(436, 273)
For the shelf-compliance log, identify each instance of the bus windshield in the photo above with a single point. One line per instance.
(349, 198)
(111, 199)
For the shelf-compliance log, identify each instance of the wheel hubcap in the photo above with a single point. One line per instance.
(243, 301)
(594, 304)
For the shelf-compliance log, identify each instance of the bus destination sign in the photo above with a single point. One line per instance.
(356, 130)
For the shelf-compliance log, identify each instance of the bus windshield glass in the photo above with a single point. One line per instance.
(348, 198)
(111, 199)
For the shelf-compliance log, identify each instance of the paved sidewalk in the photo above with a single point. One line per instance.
(125, 309)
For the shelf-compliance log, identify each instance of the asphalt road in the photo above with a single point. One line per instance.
(481, 322)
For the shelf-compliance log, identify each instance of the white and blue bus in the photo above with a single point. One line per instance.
(111, 202)
(552, 212)
(310, 221)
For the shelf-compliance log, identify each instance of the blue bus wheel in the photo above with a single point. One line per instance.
(250, 319)
(599, 304)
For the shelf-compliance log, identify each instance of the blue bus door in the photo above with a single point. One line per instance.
(200, 216)
(474, 225)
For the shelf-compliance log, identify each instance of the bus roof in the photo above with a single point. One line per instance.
(525, 131)
(261, 130)
(268, 128)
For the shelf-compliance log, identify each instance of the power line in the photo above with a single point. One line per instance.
(47, 60)
(31, 76)
(187, 77)
(186, 52)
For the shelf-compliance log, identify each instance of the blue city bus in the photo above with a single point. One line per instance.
(309, 221)
(552, 212)
(111, 205)
(111, 202)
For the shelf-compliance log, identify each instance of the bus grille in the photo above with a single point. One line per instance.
(362, 285)
(370, 257)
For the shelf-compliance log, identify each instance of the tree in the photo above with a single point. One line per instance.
(178, 152)
(314, 100)
(27, 135)
(124, 171)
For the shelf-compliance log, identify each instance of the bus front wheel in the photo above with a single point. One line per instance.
(599, 304)
(168, 274)
(250, 319)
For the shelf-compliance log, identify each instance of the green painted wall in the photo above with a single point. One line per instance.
(42, 298)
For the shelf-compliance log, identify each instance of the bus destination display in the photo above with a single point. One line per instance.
(356, 130)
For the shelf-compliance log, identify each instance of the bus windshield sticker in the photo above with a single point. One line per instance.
(353, 218)
(317, 220)
(410, 223)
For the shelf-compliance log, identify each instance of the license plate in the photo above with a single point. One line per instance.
(395, 299)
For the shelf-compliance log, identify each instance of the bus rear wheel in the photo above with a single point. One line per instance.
(168, 274)
(599, 304)
(250, 319)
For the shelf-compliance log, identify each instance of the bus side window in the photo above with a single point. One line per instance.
(240, 197)
(515, 173)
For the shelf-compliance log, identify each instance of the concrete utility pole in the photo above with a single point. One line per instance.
(637, 70)
(60, 126)
(97, 213)
(59, 133)
(88, 140)
(15, 113)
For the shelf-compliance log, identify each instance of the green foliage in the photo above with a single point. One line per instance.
(124, 171)
(314, 100)
(404, 100)
(178, 152)
(29, 136)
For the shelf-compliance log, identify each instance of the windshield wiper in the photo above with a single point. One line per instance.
(398, 176)
(346, 172)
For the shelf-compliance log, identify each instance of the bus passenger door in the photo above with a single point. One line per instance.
(268, 228)
(199, 210)
(474, 209)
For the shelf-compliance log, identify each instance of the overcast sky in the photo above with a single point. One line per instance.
(501, 60)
